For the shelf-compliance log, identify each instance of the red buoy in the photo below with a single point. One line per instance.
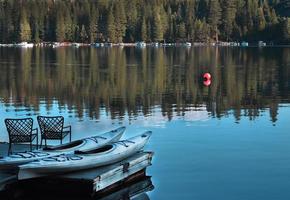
(207, 76)
(207, 82)
(206, 79)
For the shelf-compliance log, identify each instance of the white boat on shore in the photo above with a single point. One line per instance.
(25, 45)
(84, 159)
(244, 44)
(262, 44)
(141, 44)
(86, 144)
(76, 45)
(188, 44)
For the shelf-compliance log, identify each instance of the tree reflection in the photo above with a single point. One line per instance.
(132, 81)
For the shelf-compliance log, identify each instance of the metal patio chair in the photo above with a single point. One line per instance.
(21, 131)
(52, 128)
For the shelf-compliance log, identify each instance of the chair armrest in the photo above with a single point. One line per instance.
(35, 130)
(67, 127)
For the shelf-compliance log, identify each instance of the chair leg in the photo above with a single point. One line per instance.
(70, 136)
(30, 145)
(60, 141)
(45, 142)
(9, 149)
(41, 142)
(36, 142)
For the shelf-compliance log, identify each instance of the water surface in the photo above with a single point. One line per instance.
(230, 140)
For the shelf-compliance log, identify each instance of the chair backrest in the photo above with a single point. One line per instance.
(50, 125)
(21, 127)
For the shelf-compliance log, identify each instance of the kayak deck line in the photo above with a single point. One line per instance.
(92, 158)
(94, 181)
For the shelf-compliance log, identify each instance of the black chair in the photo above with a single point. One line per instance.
(21, 131)
(52, 128)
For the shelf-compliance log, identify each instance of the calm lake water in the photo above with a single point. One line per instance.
(230, 140)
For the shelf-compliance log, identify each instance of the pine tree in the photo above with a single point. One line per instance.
(144, 30)
(36, 34)
(69, 27)
(132, 21)
(75, 29)
(60, 27)
(157, 31)
(189, 19)
(111, 30)
(37, 23)
(2, 23)
(249, 15)
(149, 31)
(228, 17)
(286, 29)
(169, 34)
(267, 12)
(214, 17)
(83, 34)
(181, 31)
(274, 18)
(254, 13)
(164, 21)
(93, 24)
(25, 29)
(120, 21)
(201, 30)
(261, 24)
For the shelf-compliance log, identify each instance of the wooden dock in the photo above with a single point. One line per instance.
(136, 189)
(93, 182)
(133, 190)
(6, 178)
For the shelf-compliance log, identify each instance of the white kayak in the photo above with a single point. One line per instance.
(86, 144)
(84, 159)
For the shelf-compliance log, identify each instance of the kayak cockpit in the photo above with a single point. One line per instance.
(97, 150)
(64, 146)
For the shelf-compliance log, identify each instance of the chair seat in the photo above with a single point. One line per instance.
(55, 135)
(16, 138)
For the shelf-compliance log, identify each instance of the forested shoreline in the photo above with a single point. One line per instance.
(118, 21)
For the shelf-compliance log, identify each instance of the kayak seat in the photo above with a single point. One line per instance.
(63, 147)
(97, 150)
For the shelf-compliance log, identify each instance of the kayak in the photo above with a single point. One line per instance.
(86, 144)
(84, 159)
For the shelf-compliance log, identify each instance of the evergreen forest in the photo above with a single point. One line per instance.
(118, 21)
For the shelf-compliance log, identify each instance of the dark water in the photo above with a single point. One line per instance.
(230, 140)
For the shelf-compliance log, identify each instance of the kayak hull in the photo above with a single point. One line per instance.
(84, 159)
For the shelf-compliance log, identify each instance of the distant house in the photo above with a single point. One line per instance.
(141, 44)
(244, 44)
(261, 44)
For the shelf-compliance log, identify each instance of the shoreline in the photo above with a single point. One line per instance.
(143, 44)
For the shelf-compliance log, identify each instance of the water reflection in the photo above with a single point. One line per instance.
(156, 87)
(136, 190)
(133, 82)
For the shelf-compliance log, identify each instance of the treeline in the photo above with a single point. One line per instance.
(142, 20)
